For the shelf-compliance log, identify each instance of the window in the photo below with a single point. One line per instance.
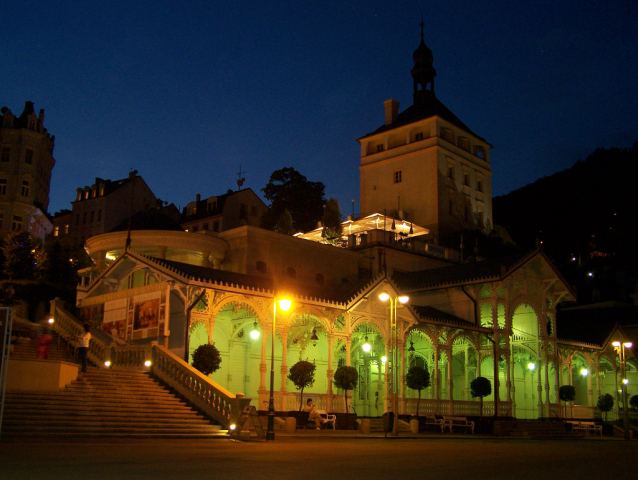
(261, 267)
(3, 186)
(79, 195)
(28, 159)
(397, 176)
(479, 186)
(92, 217)
(56, 231)
(379, 148)
(86, 195)
(292, 273)
(101, 191)
(32, 124)
(66, 229)
(253, 210)
(1, 220)
(16, 225)
(99, 215)
(25, 188)
(450, 172)
(243, 211)
(319, 278)
(418, 137)
(466, 179)
(216, 227)
(6, 154)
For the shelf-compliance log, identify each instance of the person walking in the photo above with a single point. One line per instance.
(83, 345)
(44, 342)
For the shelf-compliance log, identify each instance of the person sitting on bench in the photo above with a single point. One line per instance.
(312, 414)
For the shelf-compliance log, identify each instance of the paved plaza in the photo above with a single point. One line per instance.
(317, 458)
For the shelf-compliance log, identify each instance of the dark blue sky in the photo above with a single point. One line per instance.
(186, 92)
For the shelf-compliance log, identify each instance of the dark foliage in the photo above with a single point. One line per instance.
(302, 374)
(417, 378)
(288, 189)
(605, 403)
(346, 378)
(207, 359)
(567, 393)
(480, 387)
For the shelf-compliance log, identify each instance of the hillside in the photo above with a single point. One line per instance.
(585, 217)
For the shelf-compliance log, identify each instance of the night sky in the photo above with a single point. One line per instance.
(186, 92)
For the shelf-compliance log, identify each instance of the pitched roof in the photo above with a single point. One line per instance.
(336, 294)
(430, 107)
(428, 314)
(470, 272)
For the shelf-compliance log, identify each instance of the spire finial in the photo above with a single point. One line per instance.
(422, 25)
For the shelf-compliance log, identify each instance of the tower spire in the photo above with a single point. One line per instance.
(423, 72)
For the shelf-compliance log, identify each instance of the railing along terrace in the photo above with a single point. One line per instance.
(101, 349)
(211, 398)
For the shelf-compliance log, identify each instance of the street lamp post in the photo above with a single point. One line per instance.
(284, 304)
(403, 299)
(620, 350)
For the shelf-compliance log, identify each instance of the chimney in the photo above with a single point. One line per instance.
(391, 111)
(198, 197)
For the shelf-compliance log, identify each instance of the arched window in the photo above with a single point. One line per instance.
(261, 267)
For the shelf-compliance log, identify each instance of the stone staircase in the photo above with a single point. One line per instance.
(106, 403)
(535, 429)
(26, 348)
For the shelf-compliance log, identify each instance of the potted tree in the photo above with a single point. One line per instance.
(207, 359)
(302, 375)
(481, 387)
(605, 404)
(417, 378)
(567, 393)
(346, 378)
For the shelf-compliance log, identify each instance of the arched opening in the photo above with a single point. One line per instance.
(419, 351)
(367, 350)
(526, 369)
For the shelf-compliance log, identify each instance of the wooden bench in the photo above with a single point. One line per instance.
(587, 427)
(435, 421)
(458, 422)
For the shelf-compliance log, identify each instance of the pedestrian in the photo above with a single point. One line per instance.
(83, 345)
(43, 344)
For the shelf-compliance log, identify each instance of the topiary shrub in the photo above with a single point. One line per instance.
(417, 378)
(566, 393)
(605, 403)
(346, 378)
(207, 359)
(302, 374)
(480, 387)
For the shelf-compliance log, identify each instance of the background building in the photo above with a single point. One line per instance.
(26, 161)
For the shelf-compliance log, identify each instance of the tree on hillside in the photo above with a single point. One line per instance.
(290, 190)
(20, 256)
(284, 224)
(57, 265)
(331, 221)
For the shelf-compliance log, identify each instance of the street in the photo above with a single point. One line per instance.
(316, 459)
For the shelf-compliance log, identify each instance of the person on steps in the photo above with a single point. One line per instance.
(83, 345)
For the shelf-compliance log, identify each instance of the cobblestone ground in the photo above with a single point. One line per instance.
(309, 459)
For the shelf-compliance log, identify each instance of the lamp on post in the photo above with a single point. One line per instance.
(284, 304)
(402, 299)
(620, 350)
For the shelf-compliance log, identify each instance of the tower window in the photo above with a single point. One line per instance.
(397, 176)
(3, 186)
(466, 179)
(379, 148)
(450, 172)
(418, 137)
(28, 158)
(479, 186)
(25, 188)
(6, 154)
(56, 231)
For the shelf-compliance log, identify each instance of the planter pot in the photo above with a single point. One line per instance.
(414, 425)
(346, 421)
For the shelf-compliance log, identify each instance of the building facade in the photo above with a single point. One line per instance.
(26, 162)
(424, 165)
